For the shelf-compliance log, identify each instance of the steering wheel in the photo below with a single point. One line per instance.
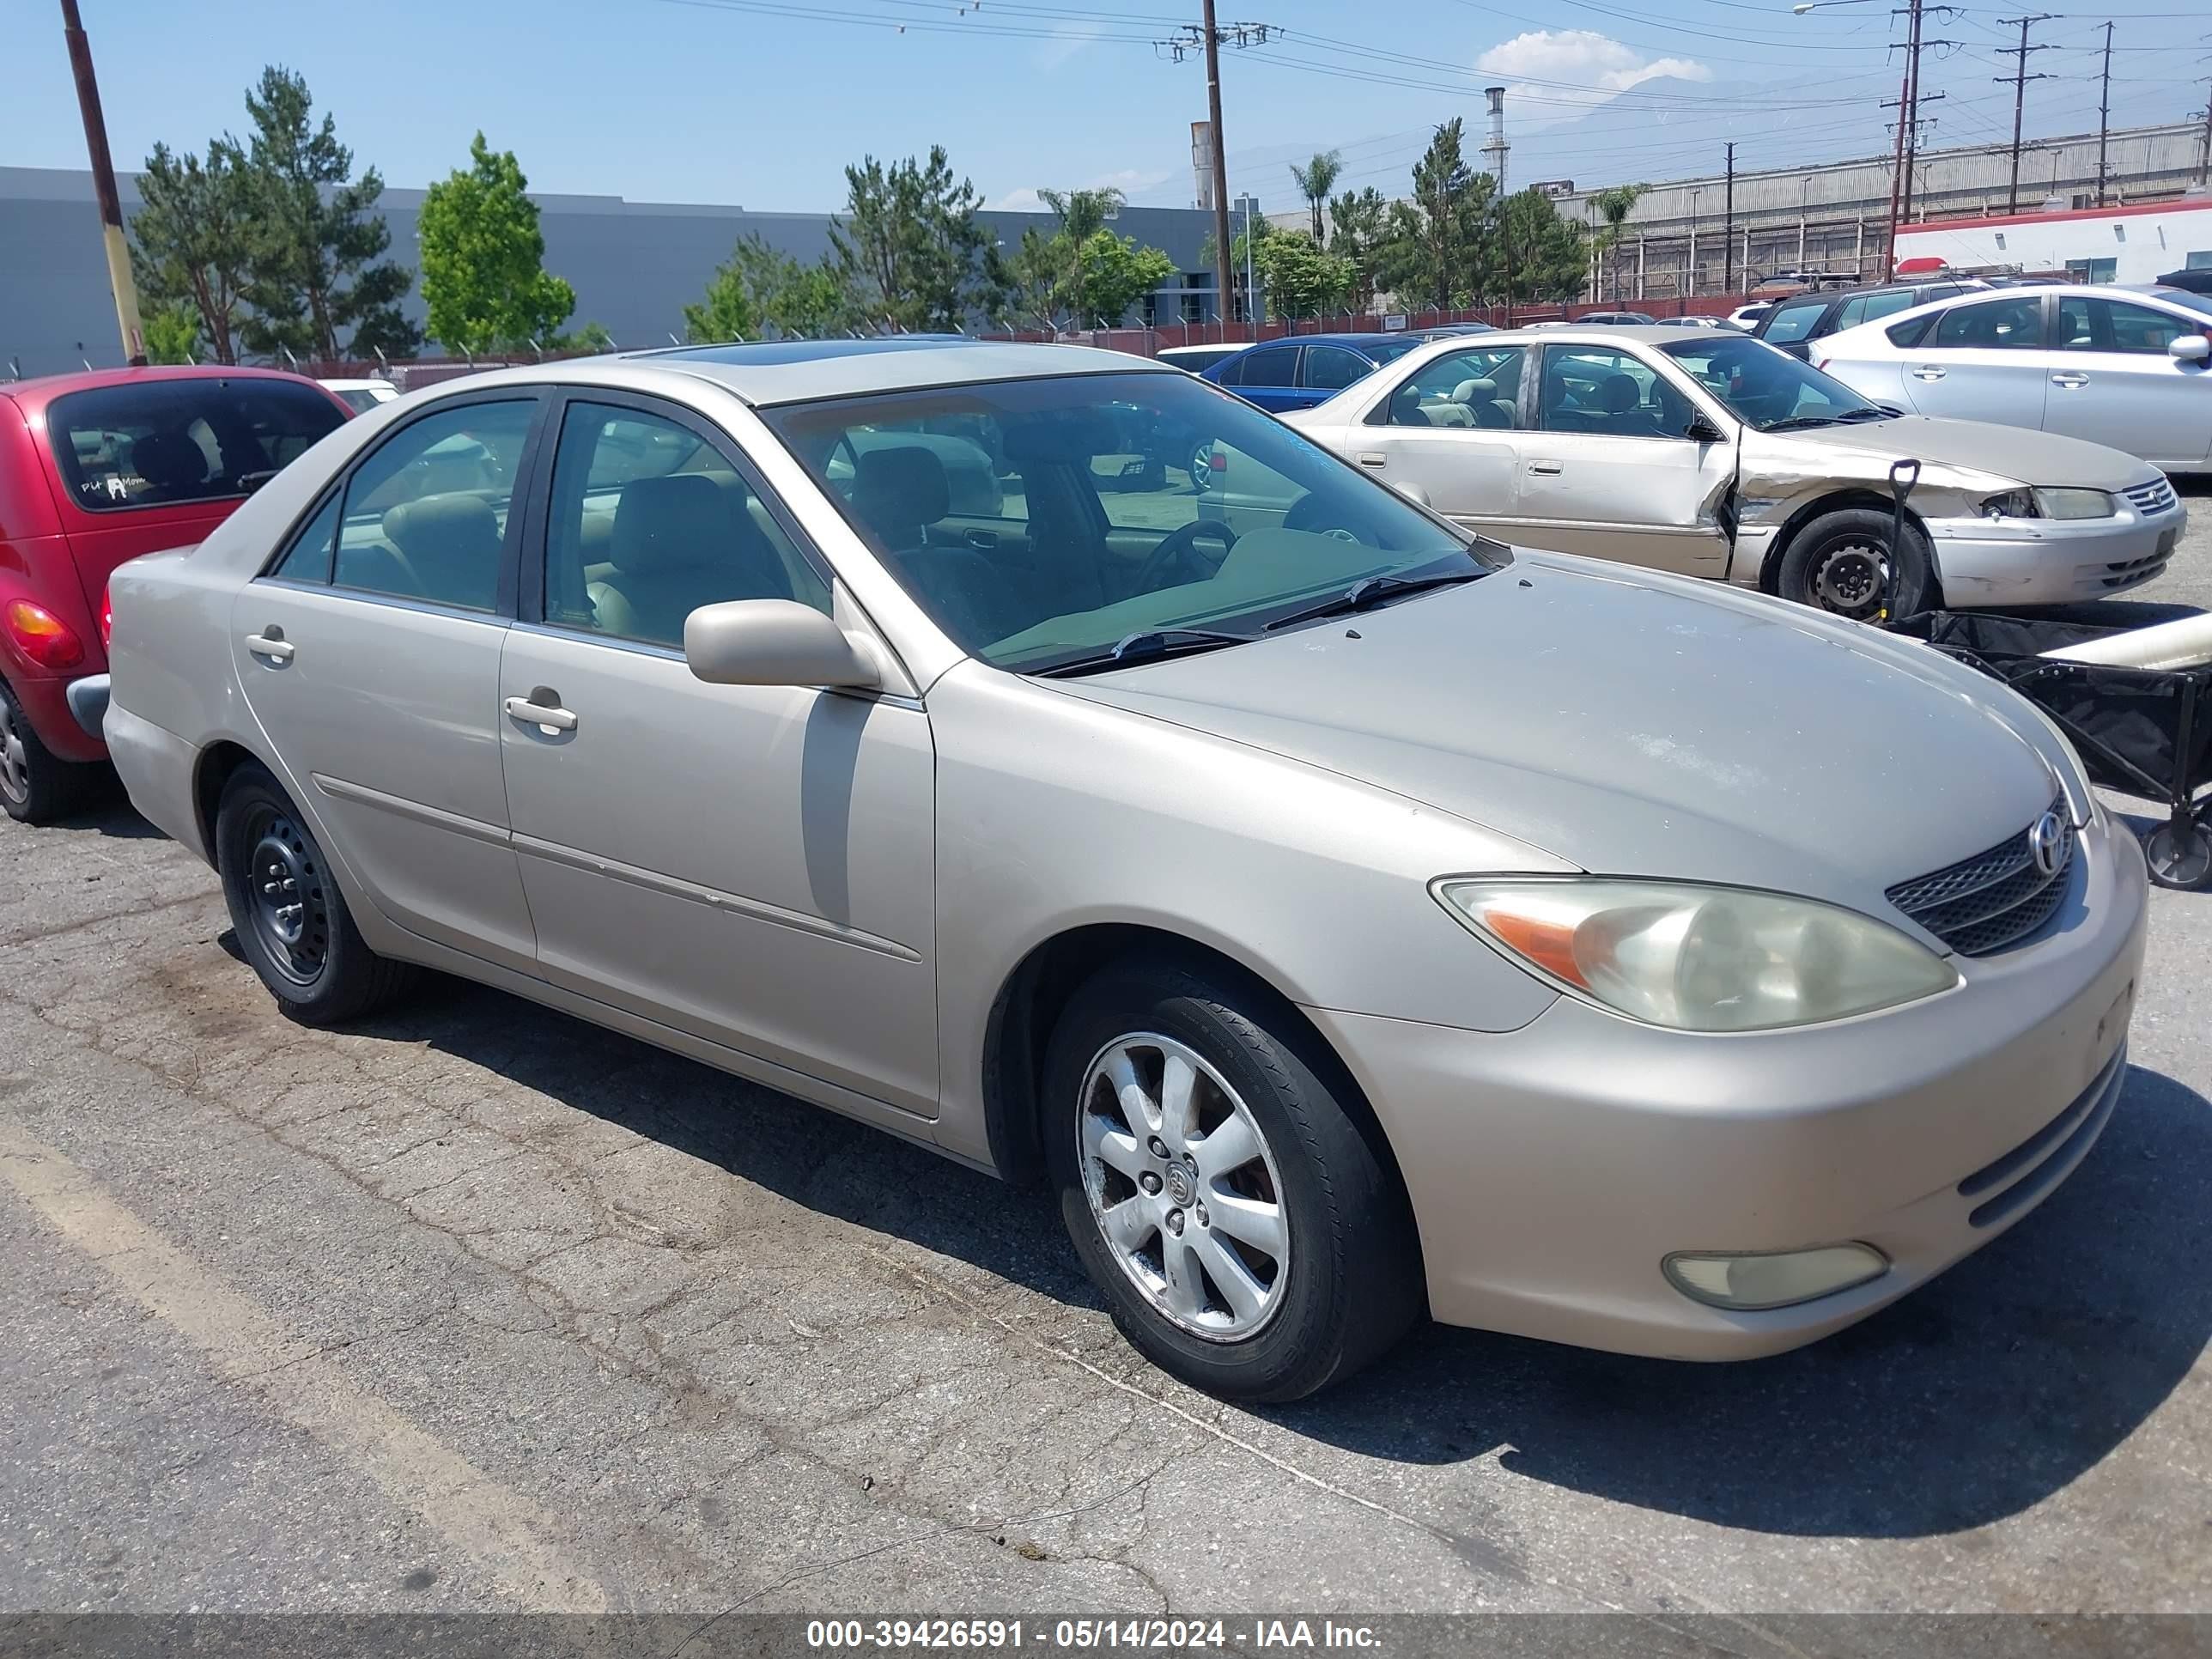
(1178, 552)
(1310, 514)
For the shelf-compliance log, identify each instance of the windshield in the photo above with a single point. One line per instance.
(2201, 303)
(1042, 522)
(1767, 388)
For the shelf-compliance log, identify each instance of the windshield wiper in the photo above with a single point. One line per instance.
(1871, 413)
(1370, 591)
(1798, 422)
(1146, 645)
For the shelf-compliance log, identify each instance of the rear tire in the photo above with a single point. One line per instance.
(37, 786)
(1835, 563)
(291, 921)
(1270, 1250)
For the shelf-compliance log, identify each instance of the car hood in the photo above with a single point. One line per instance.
(2018, 454)
(1645, 726)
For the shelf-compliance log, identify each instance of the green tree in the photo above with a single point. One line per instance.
(1034, 278)
(1302, 278)
(726, 314)
(192, 242)
(1359, 230)
(759, 287)
(484, 280)
(1544, 257)
(591, 337)
(1613, 206)
(1436, 241)
(910, 245)
(1116, 273)
(318, 285)
(1082, 215)
(1316, 180)
(172, 328)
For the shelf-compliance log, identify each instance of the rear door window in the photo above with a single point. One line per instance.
(162, 442)
(2008, 324)
(1277, 366)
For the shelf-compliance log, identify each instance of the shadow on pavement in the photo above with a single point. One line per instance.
(1979, 1395)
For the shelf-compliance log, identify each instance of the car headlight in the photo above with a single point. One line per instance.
(2012, 504)
(2074, 503)
(1696, 958)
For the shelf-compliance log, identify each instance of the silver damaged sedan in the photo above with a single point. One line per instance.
(1353, 918)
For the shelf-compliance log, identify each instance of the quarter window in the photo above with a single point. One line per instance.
(650, 521)
(426, 514)
(1787, 323)
(309, 558)
(1869, 308)
(2015, 324)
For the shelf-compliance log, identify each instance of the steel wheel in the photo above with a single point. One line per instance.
(291, 907)
(14, 758)
(1850, 578)
(1183, 1186)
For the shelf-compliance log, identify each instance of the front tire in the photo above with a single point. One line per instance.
(291, 921)
(1839, 561)
(36, 786)
(1215, 1172)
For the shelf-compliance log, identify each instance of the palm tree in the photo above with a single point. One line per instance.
(1082, 215)
(1316, 180)
(1613, 205)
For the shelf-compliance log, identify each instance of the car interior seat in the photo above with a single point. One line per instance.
(445, 549)
(679, 542)
(171, 464)
(899, 493)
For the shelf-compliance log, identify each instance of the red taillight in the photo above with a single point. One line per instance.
(43, 637)
(106, 618)
(1218, 462)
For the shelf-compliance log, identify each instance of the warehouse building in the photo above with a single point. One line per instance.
(634, 265)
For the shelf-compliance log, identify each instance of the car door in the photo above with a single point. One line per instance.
(1450, 427)
(369, 653)
(1269, 378)
(1610, 470)
(2112, 381)
(751, 865)
(1982, 360)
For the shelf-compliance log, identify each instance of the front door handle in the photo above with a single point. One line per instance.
(273, 646)
(1928, 372)
(2069, 378)
(550, 714)
(1545, 469)
(1372, 458)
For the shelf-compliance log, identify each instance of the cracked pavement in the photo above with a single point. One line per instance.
(478, 1308)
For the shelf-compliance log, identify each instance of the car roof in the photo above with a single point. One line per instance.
(37, 392)
(1357, 342)
(1654, 334)
(799, 371)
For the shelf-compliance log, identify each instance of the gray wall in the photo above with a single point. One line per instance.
(635, 264)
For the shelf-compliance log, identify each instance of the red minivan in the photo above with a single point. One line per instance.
(95, 469)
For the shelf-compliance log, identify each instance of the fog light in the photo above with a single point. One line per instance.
(1779, 1279)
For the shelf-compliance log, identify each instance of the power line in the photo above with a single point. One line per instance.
(2020, 78)
(1210, 35)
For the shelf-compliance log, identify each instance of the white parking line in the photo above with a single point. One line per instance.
(505, 1531)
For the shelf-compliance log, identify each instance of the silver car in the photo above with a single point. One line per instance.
(1350, 917)
(1713, 455)
(2130, 367)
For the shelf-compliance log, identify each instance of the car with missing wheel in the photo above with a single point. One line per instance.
(1351, 917)
(1716, 456)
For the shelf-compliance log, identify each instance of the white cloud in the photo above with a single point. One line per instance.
(1024, 200)
(1029, 198)
(1557, 73)
(1067, 39)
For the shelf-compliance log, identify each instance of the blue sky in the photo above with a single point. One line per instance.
(761, 102)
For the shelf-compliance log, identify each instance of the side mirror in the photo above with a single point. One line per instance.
(774, 642)
(1702, 430)
(1413, 493)
(2189, 348)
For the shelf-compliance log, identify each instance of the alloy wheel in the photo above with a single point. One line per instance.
(288, 902)
(15, 759)
(1183, 1188)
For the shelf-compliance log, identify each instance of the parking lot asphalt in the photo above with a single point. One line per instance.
(480, 1307)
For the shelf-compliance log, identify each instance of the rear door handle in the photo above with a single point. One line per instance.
(2069, 378)
(1545, 469)
(530, 712)
(983, 541)
(272, 645)
(1372, 458)
(1928, 372)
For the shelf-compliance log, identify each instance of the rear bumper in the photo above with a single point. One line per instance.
(2010, 561)
(52, 709)
(158, 770)
(88, 704)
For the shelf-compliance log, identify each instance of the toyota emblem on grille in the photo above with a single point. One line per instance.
(2047, 841)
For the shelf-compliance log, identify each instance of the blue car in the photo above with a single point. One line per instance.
(1302, 371)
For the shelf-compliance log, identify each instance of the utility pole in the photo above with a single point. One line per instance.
(103, 186)
(2104, 115)
(1728, 233)
(1904, 107)
(2020, 77)
(1211, 35)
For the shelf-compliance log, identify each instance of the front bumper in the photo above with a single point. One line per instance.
(1553, 1169)
(2011, 561)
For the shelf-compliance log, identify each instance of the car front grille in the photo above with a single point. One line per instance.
(1991, 900)
(2149, 499)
